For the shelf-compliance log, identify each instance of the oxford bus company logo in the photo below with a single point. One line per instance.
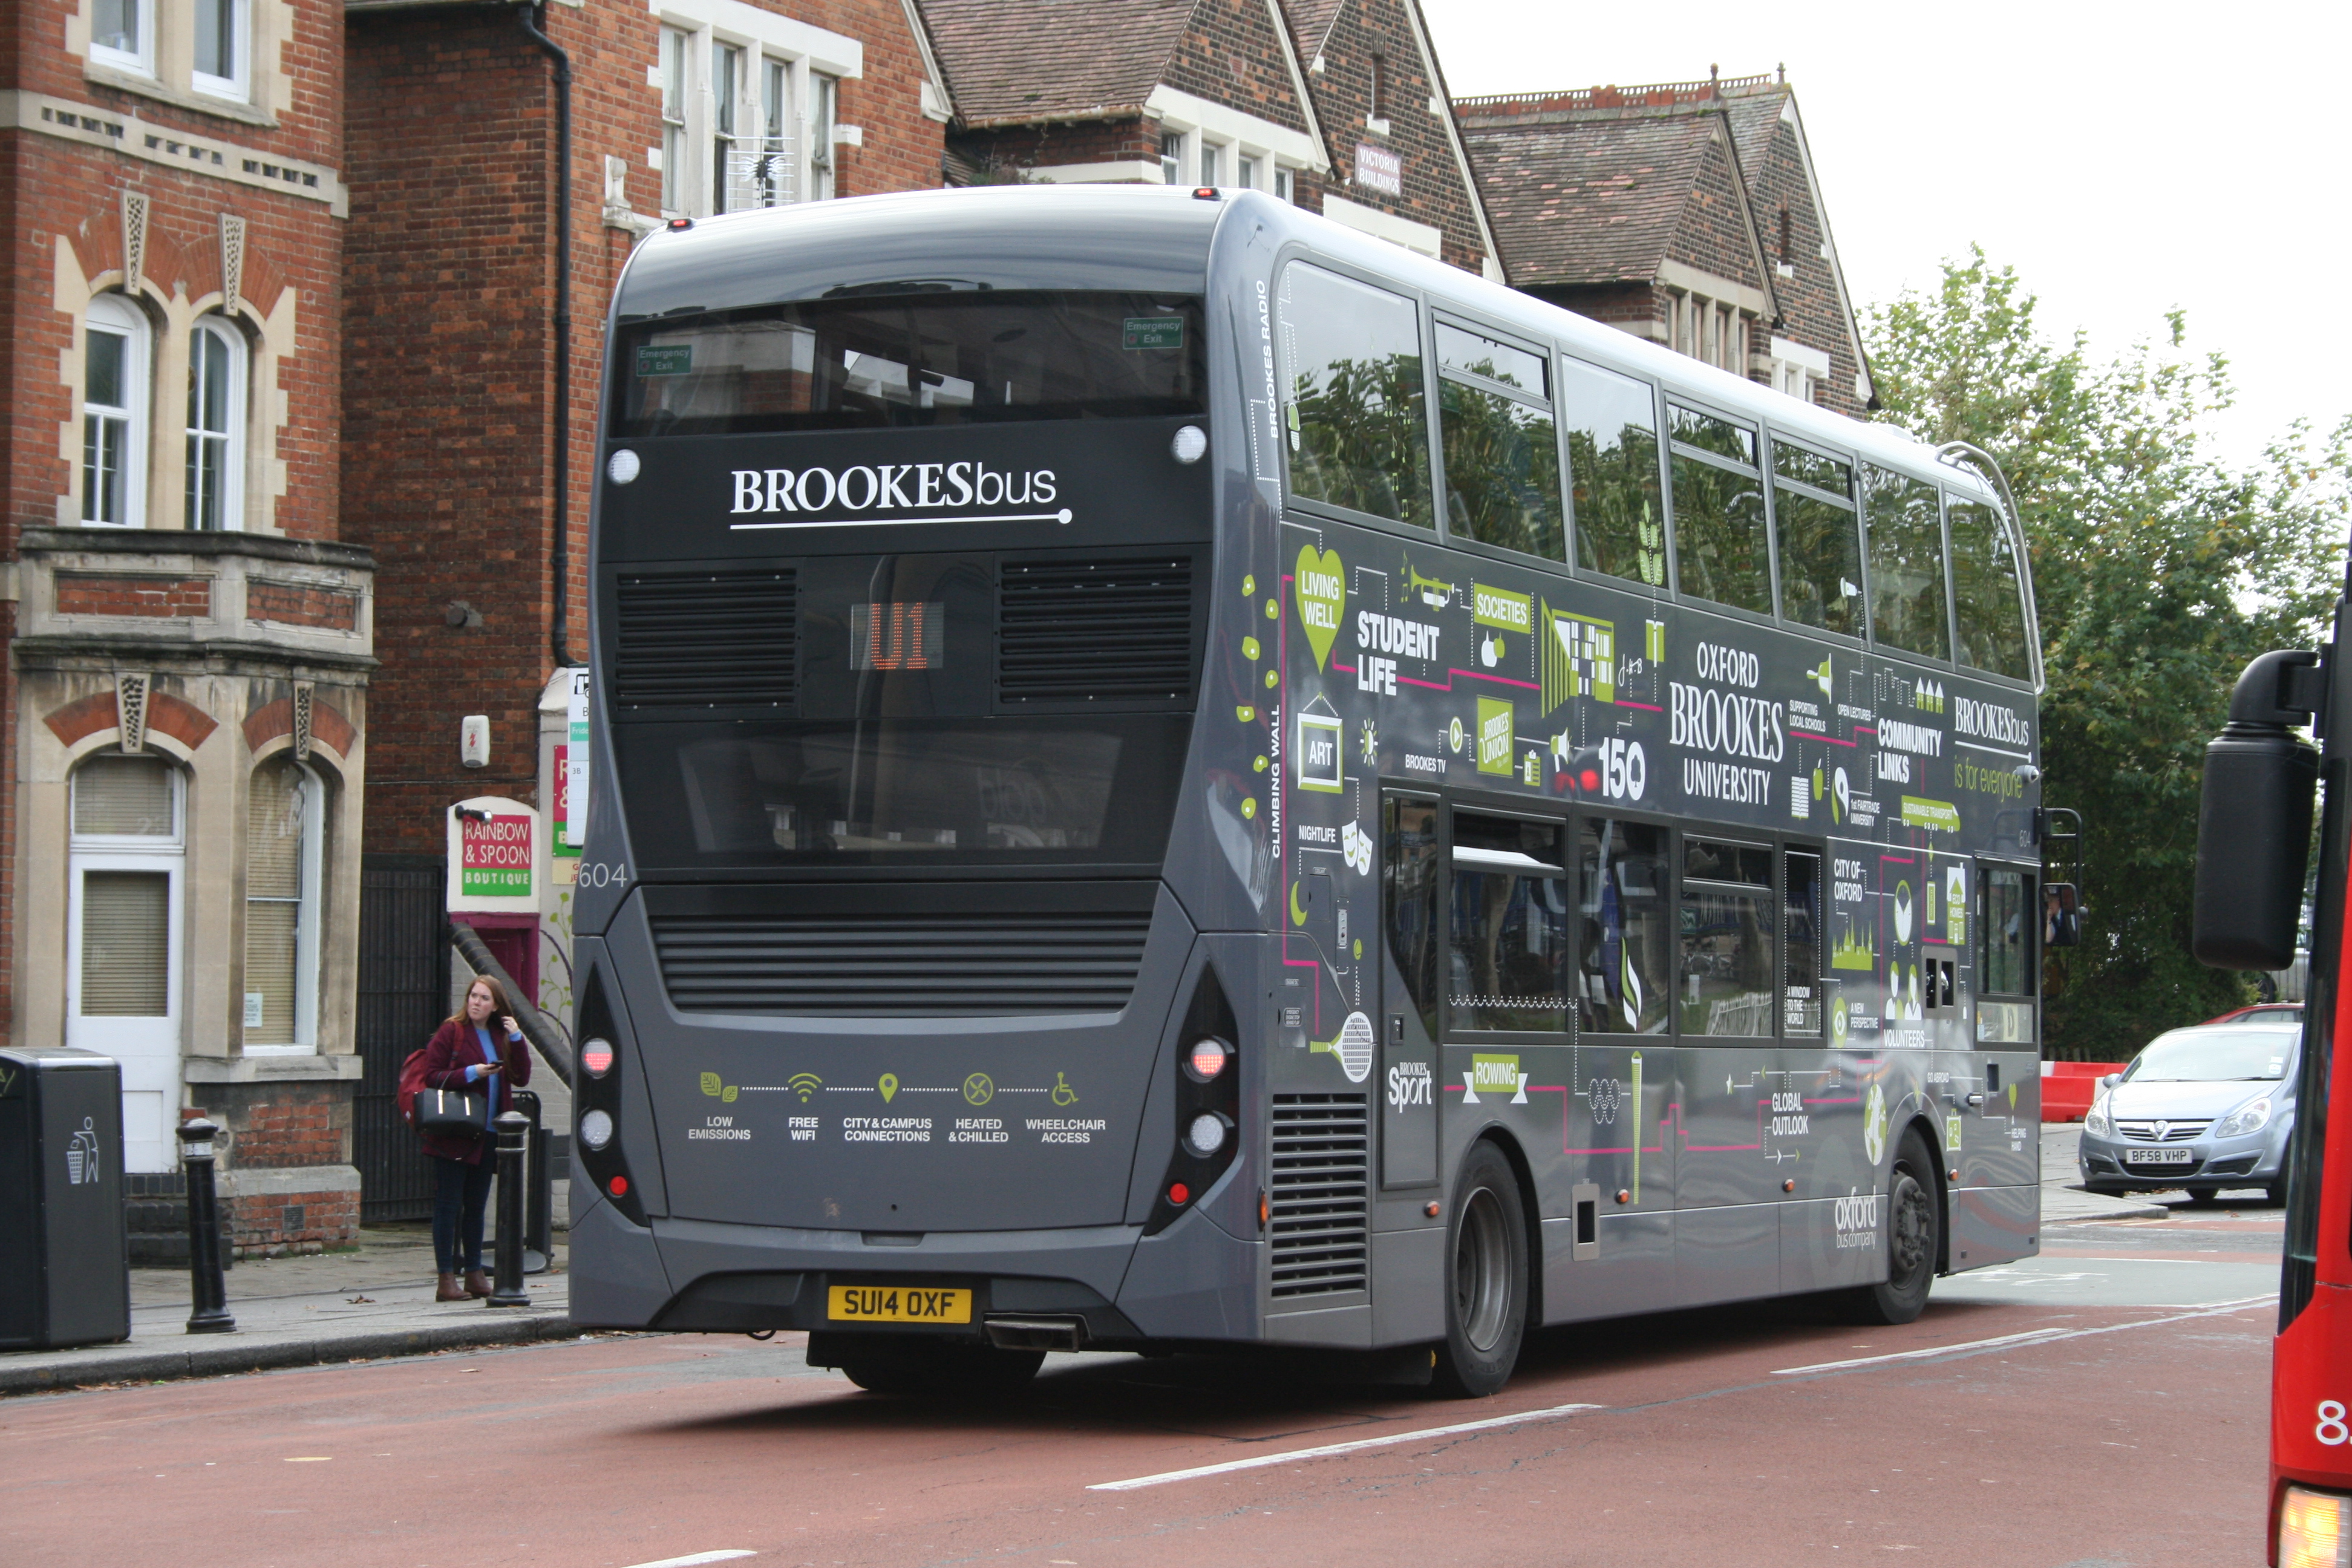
(895, 494)
(1856, 1217)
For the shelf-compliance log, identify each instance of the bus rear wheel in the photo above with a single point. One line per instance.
(1486, 1283)
(937, 1369)
(1915, 1235)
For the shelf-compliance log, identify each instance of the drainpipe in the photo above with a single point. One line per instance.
(560, 555)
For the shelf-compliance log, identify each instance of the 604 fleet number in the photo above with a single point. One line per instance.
(604, 874)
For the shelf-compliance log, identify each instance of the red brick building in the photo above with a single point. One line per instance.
(183, 715)
(451, 375)
(1339, 108)
(300, 449)
(1687, 213)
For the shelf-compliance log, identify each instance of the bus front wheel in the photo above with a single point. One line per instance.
(1915, 1234)
(1487, 1282)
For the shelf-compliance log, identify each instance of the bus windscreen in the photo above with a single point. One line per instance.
(910, 360)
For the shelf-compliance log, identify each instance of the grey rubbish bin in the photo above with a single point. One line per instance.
(65, 1270)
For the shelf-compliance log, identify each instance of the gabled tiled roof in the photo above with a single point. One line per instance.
(1310, 24)
(1015, 63)
(1583, 195)
(1755, 114)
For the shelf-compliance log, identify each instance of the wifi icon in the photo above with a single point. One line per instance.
(804, 1084)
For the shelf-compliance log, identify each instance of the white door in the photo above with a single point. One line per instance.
(124, 942)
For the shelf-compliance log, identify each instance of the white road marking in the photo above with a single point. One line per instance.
(2031, 1337)
(727, 1556)
(1293, 1456)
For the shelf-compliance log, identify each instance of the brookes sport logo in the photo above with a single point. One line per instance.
(889, 493)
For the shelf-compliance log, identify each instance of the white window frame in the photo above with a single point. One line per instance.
(238, 84)
(815, 62)
(115, 313)
(140, 61)
(227, 340)
(1172, 144)
(1285, 184)
(1211, 163)
(824, 134)
(729, 61)
(311, 909)
(673, 78)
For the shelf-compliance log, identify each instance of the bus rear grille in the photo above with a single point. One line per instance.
(705, 639)
(1321, 1193)
(1095, 631)
(899, 966)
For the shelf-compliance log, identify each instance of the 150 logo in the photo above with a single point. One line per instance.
(1625, 769)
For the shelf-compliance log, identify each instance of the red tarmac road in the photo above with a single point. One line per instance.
(2140, 1445)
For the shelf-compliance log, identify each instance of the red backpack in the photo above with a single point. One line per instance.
(412, 1083)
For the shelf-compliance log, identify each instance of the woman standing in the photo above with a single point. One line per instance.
(477, 1049)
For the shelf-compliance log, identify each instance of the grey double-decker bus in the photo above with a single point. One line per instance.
(1167, 774)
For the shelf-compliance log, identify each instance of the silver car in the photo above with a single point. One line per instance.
(2204, 1108)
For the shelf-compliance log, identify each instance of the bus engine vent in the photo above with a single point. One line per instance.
(1321, 1193)
(901, 965)
(705, 639)
(1096, 631)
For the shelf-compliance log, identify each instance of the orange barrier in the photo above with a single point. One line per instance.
(2069, 1088)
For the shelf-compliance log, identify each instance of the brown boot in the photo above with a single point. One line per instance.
(448, 1290)
(476, 1282)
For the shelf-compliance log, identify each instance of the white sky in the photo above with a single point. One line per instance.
(2125, 160)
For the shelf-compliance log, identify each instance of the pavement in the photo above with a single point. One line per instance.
(377, 1300)
(372, 1301)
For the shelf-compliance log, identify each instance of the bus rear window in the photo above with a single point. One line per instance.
(910, 359)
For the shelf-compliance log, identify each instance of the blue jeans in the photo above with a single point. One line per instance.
(461, 1192)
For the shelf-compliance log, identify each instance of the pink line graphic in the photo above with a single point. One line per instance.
(1644, 707)
(1467, 674)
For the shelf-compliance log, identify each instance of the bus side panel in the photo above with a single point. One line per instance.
(616, 1274)
(1995, 1224)
(1832, 1229)
(1192, 1281)
(1632, 1269)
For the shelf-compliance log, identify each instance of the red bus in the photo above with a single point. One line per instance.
(2253, 842)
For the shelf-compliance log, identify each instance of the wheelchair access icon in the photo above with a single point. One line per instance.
(1063, 1093)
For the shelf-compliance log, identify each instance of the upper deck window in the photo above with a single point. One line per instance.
(1501, 449)
(1719, 549)
(1820, 543)
(911, 359)
(1987, 597)
(1354, 411)
(1906, 563)
(1613, 467)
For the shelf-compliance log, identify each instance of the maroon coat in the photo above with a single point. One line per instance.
(455, 1048)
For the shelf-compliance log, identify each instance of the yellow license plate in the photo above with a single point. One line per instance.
(897, 1304)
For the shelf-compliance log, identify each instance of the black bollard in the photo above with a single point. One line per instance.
(210, 1313)
(513, 1127)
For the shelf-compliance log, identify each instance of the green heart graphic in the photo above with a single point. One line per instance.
(1321, 583)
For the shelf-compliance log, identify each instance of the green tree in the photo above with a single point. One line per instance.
(2159, 570)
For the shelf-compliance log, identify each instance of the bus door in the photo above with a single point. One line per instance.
(1734, 1157)
(1411, 878)
(1619, 1105)
(1829, 1231)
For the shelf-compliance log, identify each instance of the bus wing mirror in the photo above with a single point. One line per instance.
(2253, 821)
(2061, 924)
(2112, 1080)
